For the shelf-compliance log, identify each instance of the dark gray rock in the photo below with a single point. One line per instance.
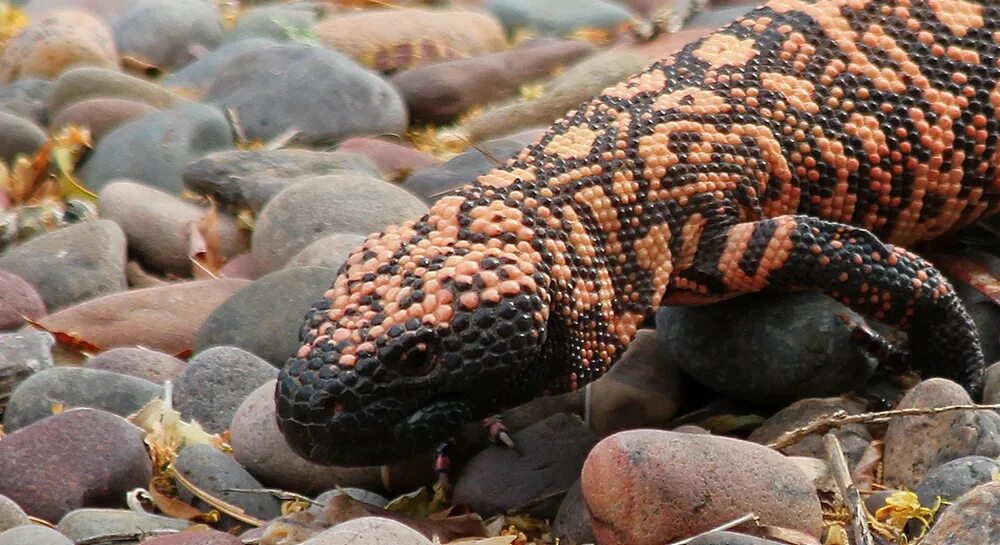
(951, 480)
(264, 317)
(251, 178)
(19, 136)
(168, 33)
(322, 94)
(215, 472)
(138, 362)
(71, 264)
(22, 354)
(767, 348)
(35, 535)
(215, 383)
(92, 524)
(572, 522)
(26, 98)
(431, 182)
(155, 149)
(199, 75)
(558, 17)
(75, 387)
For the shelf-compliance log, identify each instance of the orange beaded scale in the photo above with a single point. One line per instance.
(783, 152)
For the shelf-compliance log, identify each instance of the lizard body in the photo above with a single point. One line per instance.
(785, 151)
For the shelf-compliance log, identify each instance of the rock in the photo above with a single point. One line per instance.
(991, 385)
(91, 524)
(394, 161)
(198, 76)
(155, 149)
(972, 520)
(330, 251)
(572, 523)
(558, 17)
(566, 92)
(730, 538)
(71, 264)
(22, 354)
(76, 458)
(277, 23)
(719, 17)
(264, 318)
(340, 203)
(251, 178)
(442, 92)
(216, 382)
(648, 486)
(777, 347)
(319, 93)
(854, 438)
(259, 446)
(914, 445)
(107, 10)
(74, 387)
(963, 269)
(551, 455)
(101, 115)
(215, 472)
(359, 494)
(58, 41)
(11, 515)
(88, 82)
(161, 227)
(241, 266)
(641, 390)
(950, 480)
(35, 535)
(163, 318)
(369, 531)
(168, 33)
(432, 182)
(203, 536)
(18, 299)
(18, 136)
(375, 38)
(138, 362)
(26, 98)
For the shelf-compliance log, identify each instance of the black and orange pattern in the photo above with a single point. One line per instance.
(783, 152)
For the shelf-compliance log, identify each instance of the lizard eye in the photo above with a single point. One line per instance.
(413, 361)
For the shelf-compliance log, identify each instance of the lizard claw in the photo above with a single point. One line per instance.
(497, 432)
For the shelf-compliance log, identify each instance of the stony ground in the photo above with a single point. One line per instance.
(180, 179)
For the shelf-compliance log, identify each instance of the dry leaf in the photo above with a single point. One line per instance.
(68, 338)
(787, 535)
(868, 473)
(836, 535)
(166, 433)
(903, 505)
(174, 507)
(497, 540)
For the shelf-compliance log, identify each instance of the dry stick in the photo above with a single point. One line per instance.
(838, 419)
(223, 506)
(731, 524)
(283, 495)
(852, 498)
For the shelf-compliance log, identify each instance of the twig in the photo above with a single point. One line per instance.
(749, 517)
(223, 506)
(126, 537)
(852, 498)
(282, 139)
(838, 419)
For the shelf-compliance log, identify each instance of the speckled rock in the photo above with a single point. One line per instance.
(196, 77)
(215, 383)
(558, 17)
(35, 535)
(74, 387)
(914, 445)
(322, 94)
(168, 33)
(71, 264)
(653, 487)
(138, 362)
(163, 318)
(341, 203)
(330, 251)
(19, 136)
(76, 458)
(22, 354)
(777, 349)
(11, 514)
(155, 149)
(394, 161)
(160, 226)
(18, 299)
(101, 115)
(215, 472)
(259, 446)
(264, 318)
(242, 178)
(92, 524)
(275, 22)
(369, 531)
(57, 41)
(26, 98)
(972, 520)
(90, 82)
(949, 481)
(854, 438)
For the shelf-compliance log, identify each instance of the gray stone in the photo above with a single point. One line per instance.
(972, 520)
(775, 348)
(90, 82)
(198, 76)
(215, 383)
(101, 115)
(558, 17)
(324, 205)
(251, 178)
(75, 387)
(359, 494)
(854, 438)
(323, 95)
(26, 98)
(730, 538)
(264, 317)
(369, 531)
(11, 514)
(950, 480)
(432, 182)
(105, 9)
(22, 354)
(168, 33)
(139, 362)
(90, 524)
(330, 251)
(155, 149)
(572, 522)
(276, 22)
(71, 264)
(991, 385)
(18, 136)
(215, 472)
(18, 300)
(33, 535)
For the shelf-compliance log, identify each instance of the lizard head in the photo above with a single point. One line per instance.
(429, 325)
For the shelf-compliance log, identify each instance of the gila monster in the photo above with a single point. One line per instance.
(789, 150)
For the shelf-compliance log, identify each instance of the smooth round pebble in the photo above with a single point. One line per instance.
(215, 383)
(359, 494)
(33, 535)
(214, 472)
(75, 387)
(138, 362)
(572, 522)
(168, 33)
(11, 514)
(972, 520)
(991, 385)
(203, 536)
(107, 10)
(18, 299)
(89, 82)
(73, 459)
(394, 160)
(22, 354)
(101, 115)
(330, 251)
(26, 98)
(275, 22)
(730, 538)
(951, 480)
(431, 182)
(196, 77)
(854, 438)
(558, 17)
(58, 41)
(369, 531)
(19, 137)
(92, 524)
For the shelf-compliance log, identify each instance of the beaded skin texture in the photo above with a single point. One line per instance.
(783, 152)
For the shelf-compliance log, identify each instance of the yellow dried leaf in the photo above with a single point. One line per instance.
(167, 434)
(58, 408)
(12, 20)
(531, 91)
(836, 535)
(904, 505)
(441, 144)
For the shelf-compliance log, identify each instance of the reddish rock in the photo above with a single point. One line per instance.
(138, 362)
(18, 299)
(854, 438)
(972, 520)
(58, 41)
(394, 161)
(195, 537)
(647, 487)
(101, 115)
